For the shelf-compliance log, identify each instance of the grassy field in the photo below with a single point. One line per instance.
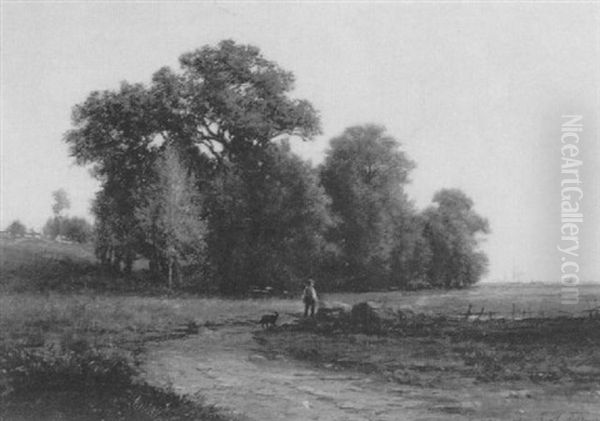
(67, 352)
(502, 299)
(51, 341)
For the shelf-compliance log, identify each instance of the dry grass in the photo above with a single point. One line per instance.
(35, 319)
(450, 353)
(529, 300)
(52, 342)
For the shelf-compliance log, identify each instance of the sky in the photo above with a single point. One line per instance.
(473, 91)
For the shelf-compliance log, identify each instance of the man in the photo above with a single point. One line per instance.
(309, 297)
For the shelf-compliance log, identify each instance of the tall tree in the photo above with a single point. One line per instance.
(454, 231)
(226, 105)
(411, 255)
(61, 202)
(170, 217)
(77, 229)
(230, 100)
(54, 226)
(267, 220)
(16, 229)
(114, 132)
(364, 174)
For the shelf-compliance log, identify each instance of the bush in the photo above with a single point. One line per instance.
(76, 382)
(73, 229)
(56, 368)
(16, 229)
(77, 229)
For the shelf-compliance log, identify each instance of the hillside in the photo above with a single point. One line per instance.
(38, 264)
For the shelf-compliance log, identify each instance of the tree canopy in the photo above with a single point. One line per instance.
(196, 169)
(16, 229)
(364, 173)
(169, 217)
(222, 114)
(61, 202)
(453, 231)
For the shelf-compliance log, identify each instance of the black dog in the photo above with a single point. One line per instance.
(269, 320)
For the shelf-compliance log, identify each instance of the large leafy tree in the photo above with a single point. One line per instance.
(170, 217)
(229, 100)
(453, 232)
(267, 219)
(411, 255)
(226, 105)
(114, 131)
(364, 173)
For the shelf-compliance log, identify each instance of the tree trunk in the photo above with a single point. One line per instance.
(170, 280)
(128, 263)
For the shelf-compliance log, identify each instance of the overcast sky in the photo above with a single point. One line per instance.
(475, 93)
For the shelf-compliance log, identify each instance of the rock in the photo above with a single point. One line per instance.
(332, 310)
(372, 314)
(405, 312)
(257, 358)
(517, 394)
(405, 377)
(585, 370)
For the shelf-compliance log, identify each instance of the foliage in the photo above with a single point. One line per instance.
(61, 368)
(452, 230)
(70, 228)
(195, 171)
(77, 229)
(85, 383)
(35, 264)
(226, 103)
(113, 131)
(230, 100)
(51, 228)
(411, 255)
(16, 229)
(364, 174)
(267, 217)
(61, 202)
(170, 218)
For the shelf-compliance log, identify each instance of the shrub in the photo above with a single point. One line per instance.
(79, 382)
(16, 229)
(56, 368)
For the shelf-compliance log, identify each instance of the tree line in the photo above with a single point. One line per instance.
(60, 225)
(197, 176)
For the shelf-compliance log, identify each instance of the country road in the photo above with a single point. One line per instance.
(226, 367)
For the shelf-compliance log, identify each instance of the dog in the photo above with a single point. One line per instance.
(268, 320)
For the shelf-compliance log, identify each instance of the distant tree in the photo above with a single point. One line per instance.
(54, 226)
(16, 229)
(77, 229)
(267, 222)
(453, 231)
(171, 217)
(61, 202)
(364, 174)
(51, 228)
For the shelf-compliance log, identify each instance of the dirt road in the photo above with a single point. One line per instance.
(227, 367)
